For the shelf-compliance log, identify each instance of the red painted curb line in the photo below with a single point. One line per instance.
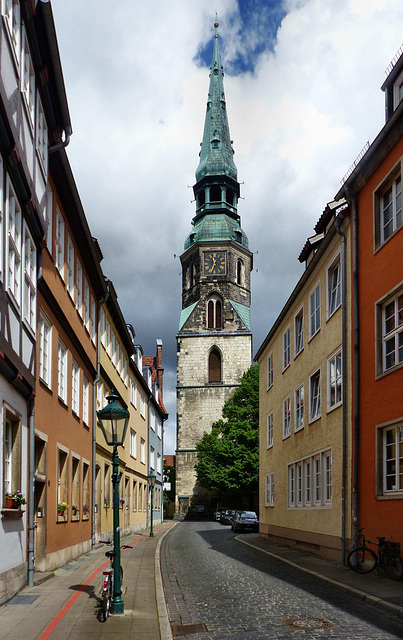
(53, 623)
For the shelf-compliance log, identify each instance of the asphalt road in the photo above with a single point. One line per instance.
(238, 593)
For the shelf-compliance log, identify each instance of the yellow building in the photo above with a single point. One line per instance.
(119, 368)
(305, 400)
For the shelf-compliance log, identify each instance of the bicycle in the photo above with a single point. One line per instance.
(362, 559)
(108, 577)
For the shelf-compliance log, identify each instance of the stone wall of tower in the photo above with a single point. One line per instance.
(199, 404)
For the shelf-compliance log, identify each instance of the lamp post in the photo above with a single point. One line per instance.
(151, 479)
(113, 421)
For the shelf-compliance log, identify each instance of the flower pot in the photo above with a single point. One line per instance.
(10, 503)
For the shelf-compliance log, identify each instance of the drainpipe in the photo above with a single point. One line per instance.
(356, 368)
(94, 415)
(337, 223)
(31, 491)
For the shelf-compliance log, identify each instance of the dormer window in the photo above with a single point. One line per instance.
(398, 91)
(215, 143)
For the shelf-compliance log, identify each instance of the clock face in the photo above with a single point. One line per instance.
(214, 262)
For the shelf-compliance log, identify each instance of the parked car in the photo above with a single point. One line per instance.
(226, 516)
(245, 521)
(218, 512)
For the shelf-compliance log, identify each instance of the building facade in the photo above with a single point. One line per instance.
(33, 113)
(304, 395)
(214, 341)
(374, 191)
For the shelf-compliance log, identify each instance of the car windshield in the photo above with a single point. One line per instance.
(248, 514)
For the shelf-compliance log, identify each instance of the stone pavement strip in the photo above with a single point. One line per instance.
(66, 606)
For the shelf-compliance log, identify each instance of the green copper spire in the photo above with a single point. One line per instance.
(216, 155)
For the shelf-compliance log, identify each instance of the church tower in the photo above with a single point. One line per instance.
(214, 342)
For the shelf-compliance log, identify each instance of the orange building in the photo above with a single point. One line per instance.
(374, 191)
(69, 289)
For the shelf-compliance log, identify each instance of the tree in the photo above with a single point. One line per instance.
(228, 457)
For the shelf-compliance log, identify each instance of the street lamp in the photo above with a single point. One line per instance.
(151, 479)
(113, 421)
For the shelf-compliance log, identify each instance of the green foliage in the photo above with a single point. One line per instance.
(228, 457)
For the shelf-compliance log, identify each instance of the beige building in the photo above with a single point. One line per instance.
(305, 400)
(120, 369)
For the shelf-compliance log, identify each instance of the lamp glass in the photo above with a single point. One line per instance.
(151, 479)
(113, 420)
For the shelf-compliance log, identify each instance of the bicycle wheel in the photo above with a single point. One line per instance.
(362, 560)
(106, 603)
(391, 567)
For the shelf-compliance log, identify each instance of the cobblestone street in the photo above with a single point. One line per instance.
(240, 594)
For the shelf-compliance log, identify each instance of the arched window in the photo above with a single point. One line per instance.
(239, 271)
(215, 194)
(214, 366)
(229, 196)
(214, 313)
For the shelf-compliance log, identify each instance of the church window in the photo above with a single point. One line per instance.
(214, 313)
(215, 194)
(239, 271)
(214, 366)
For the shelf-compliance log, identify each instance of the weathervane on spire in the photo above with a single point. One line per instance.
(216, 24)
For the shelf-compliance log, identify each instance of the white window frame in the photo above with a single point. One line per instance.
(101, 320)
(334, 381)
(60, 231)
(70, 266)
(314, 311)
(75, 388)
(133, 443)
(45, 349)
(392, 332)
(310, 481)
(393, 206)
(27, 80)
(398, 91)
(286, 417)
(13, 243)
(269, 490)
(299, 332)
(333, 279)
(299, 408)
(269, 430)
(86, 400)
(315, 404)
(390, 456)
(62, 371)
(270, 377)
(42, 136)
(133, 392)
(142, 405)
(159, 465)
(108, 337)
(286, 348)
(93, 319)
(29, 280)
(142, 451)
(79, 287)
(12, 14)
(49, 220)
(86, 304)
(152, 458)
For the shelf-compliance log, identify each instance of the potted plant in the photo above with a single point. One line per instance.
(14, 499)
(74, 510)
(121, 503)
(86, 510)
(107, 502)
(61, 508)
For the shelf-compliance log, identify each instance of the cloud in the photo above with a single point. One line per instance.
(303, 99)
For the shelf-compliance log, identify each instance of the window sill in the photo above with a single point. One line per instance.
(62, 518)
(298, 353)
(330, 315)
(335, 406)
(299, 429)
(313, 335)
(12, 514)
(312, 420)
(391, 496)
(389, 371)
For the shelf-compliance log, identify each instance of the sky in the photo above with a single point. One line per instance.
(302, 84)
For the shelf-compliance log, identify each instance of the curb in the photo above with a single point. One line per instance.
(389, 607)
(163, 618)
